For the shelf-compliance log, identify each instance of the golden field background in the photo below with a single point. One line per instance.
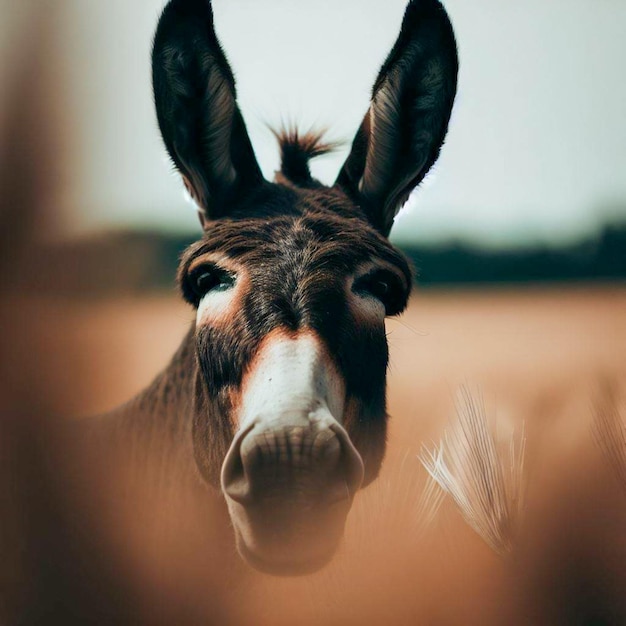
(538, 356)
(535, 349)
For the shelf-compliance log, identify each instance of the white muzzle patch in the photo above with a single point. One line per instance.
(292, 380)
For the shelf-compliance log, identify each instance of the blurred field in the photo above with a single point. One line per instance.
(535, 350)
(535, 355)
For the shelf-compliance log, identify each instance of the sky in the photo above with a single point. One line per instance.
(536, 149)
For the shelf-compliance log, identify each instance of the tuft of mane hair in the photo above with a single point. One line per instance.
(296, 150)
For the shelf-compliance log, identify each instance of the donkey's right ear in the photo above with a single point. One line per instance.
(194, 93)
(405, 126)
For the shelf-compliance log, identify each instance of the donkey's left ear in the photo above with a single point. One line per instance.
(194, 93)
(403, 131)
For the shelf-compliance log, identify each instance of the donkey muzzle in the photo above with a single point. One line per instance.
(291, 472)
(289, 487)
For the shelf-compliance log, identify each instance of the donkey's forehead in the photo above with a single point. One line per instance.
(316, 237)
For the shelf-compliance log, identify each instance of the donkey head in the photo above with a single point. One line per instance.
(292, 281)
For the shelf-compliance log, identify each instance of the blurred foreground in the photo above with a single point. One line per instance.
(536, 356)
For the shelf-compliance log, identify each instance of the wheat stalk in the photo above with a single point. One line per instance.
(429, 503)
(609, 431)
(484, 482)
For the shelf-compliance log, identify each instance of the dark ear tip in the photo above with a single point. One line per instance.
(419, 10)
(188, 7)
(425, 7)
(180, 11)
(428, 22)
(179, 14)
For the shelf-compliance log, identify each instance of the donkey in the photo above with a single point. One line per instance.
(278, 391)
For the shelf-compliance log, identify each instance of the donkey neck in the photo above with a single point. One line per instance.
(169, 401)
(157, 422)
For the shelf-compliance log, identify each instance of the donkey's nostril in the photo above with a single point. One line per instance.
(352, 461)
(326, 445)
(233, 479)
(291, 464)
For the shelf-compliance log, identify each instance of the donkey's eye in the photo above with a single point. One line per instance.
(208, 278)
(379, 288)
(384, 286)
